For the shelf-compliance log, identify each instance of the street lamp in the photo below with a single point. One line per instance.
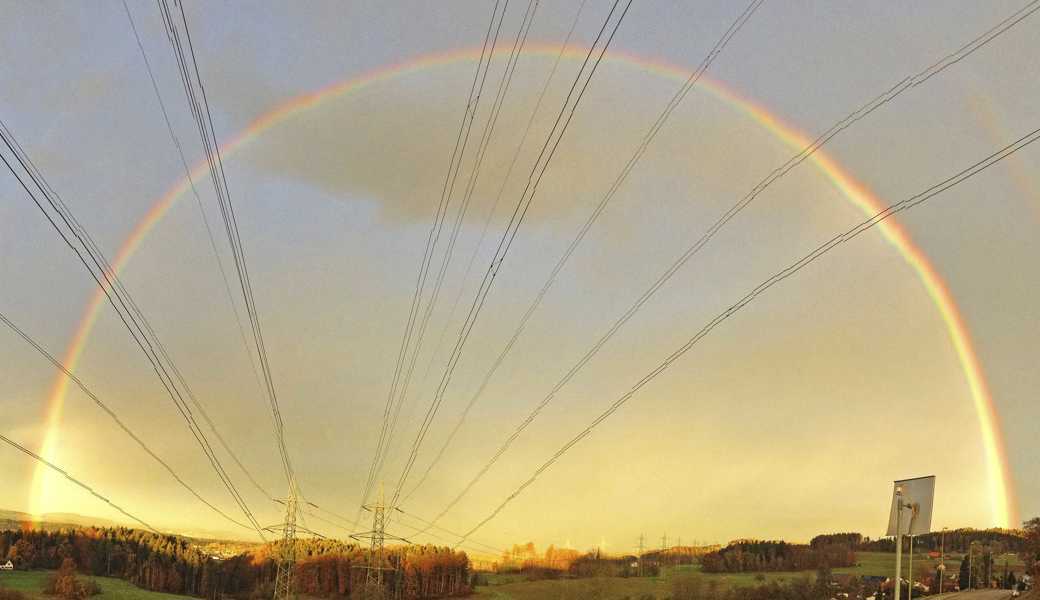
(971, 563)
(942, 559)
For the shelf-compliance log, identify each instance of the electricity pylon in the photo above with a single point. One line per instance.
(377, 536)
(640, 555)
(286, 555)
(283, 581)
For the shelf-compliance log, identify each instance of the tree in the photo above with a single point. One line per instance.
(1032, 554)
(965, 574)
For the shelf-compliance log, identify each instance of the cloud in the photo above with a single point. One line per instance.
(391, 143)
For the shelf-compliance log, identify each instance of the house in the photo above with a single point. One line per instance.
(7, 566)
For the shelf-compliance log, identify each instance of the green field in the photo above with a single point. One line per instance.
(514, 587)
(31, 583)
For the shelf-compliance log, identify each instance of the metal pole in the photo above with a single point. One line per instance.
(942, 559)
(971, 564)
(899, 542)
(910, 572)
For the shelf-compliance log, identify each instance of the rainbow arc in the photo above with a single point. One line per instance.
(1002, 500)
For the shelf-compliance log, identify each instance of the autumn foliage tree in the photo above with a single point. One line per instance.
(1032, 553)
(66, 584)
(176, 565)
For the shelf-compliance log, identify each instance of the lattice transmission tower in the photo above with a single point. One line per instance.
(283, 581)
(376, 566)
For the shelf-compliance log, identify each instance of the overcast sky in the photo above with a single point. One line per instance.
(790, 419)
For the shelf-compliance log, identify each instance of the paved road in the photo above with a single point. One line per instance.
(974, 595)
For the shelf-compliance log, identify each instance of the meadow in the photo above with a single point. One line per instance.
(31, 583)
(514, 587)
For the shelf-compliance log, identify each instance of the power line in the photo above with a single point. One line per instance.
(117, 296)
(429, 524)
(126, 429)
(776, 174)
(461, 140)
(209, 235)
(350, 525)
(674, 102)
(66, 474)
(417, 530)
(190, 77)
(474, 175)
(777, 277)
(480, 242)
(559, 129)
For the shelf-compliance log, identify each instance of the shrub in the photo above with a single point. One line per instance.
(64, 583)
(6, 594)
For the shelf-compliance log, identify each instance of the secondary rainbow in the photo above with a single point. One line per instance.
(1002, 499)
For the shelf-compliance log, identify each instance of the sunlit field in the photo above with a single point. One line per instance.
(515, 587)
(31, 584)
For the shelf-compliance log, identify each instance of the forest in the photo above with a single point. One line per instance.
(755, 555)
(953, 540)
(172, 564)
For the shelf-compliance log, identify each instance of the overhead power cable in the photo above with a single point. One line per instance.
(471, 546)
(337, 520)
(541, 164)
(463, 206)
(776, 278)
(461, 140)
(674, 102)
(212, 242)
(191, 77)
(74, 480)
(480, 242)
(98, 267)
(115, 418)
(776, 174)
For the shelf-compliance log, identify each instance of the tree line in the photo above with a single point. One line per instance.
(758, 555)
(173, 564)
(953, 540)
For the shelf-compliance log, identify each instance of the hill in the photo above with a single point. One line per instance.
(13, 519)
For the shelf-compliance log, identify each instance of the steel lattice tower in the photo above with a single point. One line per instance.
(283, 582)
(377, 547)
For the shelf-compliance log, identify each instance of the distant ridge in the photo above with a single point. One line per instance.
(13, 519)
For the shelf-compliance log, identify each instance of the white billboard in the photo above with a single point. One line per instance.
(914, 496)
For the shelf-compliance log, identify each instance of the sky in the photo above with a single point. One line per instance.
(791, 418)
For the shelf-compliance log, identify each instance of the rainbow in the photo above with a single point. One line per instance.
(1002, 500)
(1021, 176)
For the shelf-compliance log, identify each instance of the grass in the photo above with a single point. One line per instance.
(31, 583)
(514, 587)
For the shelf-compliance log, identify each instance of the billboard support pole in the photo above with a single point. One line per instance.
(899, 542)
(910, 570)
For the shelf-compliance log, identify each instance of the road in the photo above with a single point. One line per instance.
(974, 595)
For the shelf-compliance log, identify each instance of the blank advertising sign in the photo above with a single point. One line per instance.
(916, 500)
